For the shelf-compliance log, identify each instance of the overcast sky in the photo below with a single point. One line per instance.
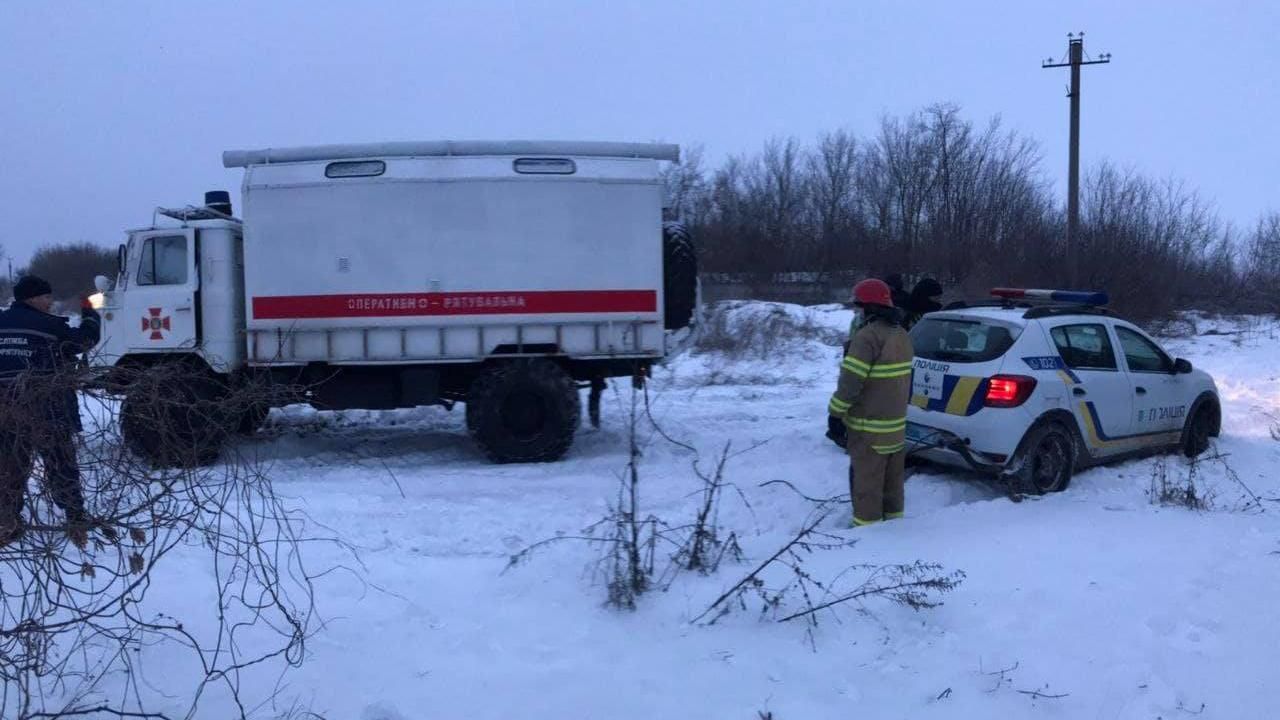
(111, 108)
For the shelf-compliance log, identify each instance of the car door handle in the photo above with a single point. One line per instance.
(1079, 391)
(1141, 391)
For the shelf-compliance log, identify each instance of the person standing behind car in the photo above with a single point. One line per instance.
(926, 297)
(40, 415)
(897, 291)
(871, 400)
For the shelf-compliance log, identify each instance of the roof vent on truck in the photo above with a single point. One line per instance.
(451, 148)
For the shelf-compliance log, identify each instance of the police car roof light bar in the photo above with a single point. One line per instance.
(1068, 296)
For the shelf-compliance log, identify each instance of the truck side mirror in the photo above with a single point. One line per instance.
(1181, 367)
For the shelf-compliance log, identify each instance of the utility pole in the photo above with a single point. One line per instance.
(1075, 58)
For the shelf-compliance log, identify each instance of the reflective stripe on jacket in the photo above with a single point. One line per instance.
(875, 385)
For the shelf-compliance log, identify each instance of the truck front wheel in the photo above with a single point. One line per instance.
(524, 411)
(175, 422)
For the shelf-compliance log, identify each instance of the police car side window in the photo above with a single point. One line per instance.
(1141, 354)
(163, 261)
(1084, 347)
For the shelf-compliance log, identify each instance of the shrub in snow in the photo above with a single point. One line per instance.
(781, 586)
(632, 541)
(763, 330)
(1191, 484)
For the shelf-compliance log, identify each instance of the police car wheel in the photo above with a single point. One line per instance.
(1198, 431)
(1049, 460)
(524, 411)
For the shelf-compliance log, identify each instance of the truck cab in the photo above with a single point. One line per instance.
(179, 292)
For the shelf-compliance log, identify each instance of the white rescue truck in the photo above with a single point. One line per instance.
(506, 275)
(1041, 383)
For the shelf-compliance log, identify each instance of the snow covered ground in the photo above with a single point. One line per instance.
(1124, 608)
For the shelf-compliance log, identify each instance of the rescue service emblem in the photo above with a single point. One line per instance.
(155, 323)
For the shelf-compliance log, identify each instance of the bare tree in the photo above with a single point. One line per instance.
(5, 289)
(71, 267)
(1145, 240)
(688, 193)
(832, 169)
(909, 158)
(931, 193)
(1262, 262)
(73, 618)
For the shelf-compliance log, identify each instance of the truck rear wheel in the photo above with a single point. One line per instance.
(524, 411)
(175, 422)
(252, 418)
(679, 275)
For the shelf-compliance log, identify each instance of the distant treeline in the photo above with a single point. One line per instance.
(69, 267)
(932, 193)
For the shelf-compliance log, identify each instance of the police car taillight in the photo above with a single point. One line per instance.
(1065, 296)
(1007, 391)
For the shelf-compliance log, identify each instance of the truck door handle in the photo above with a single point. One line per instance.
(1141, 390)
(1079, 391)
(183, 309)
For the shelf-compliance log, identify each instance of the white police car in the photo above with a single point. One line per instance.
(1032, 392)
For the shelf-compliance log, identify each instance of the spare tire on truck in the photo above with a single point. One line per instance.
(679, 275)
(524, 411)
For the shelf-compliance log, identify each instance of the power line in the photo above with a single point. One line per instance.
(1074, 59)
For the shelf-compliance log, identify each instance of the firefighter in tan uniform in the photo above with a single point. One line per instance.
(871, 399)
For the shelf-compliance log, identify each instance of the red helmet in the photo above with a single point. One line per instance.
(872, 292)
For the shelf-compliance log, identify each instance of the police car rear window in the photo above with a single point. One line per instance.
(953, 340)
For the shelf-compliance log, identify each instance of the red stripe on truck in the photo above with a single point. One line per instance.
(526, 302)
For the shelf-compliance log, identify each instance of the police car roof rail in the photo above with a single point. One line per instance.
(1044, 311)
(1033, 309)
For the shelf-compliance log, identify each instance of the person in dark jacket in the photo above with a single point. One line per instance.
(39, 410)
(925, 298)
(897, 291)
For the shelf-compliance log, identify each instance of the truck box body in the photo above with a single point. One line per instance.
(507, 275)
(453, 258)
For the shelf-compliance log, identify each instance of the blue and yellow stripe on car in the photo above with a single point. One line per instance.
(1097, 438)
(961, 395)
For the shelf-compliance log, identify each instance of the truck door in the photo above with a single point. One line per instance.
(160, 306)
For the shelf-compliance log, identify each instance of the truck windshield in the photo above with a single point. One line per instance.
(954, 340)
